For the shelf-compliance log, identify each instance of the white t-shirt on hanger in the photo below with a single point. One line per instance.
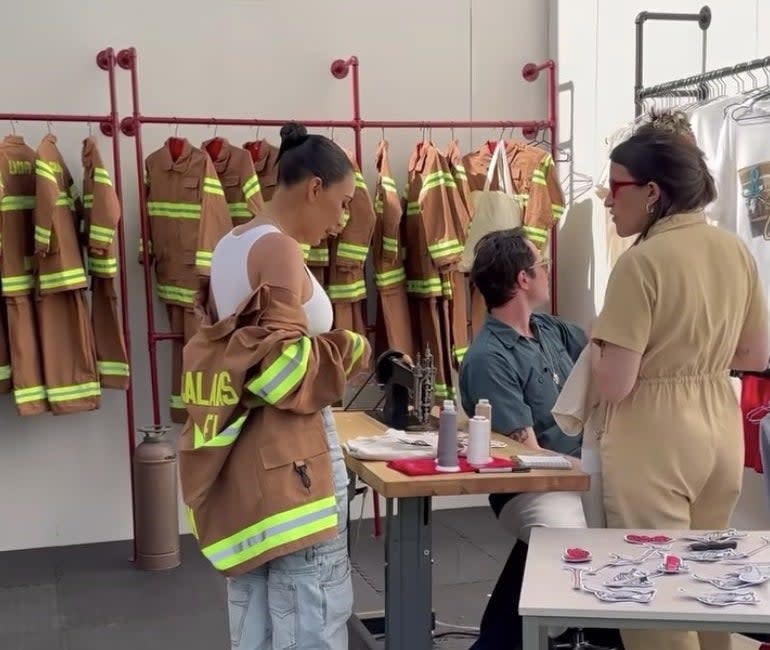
(743, 166)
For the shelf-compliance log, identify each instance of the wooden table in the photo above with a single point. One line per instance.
(408, 544)
(548, 599)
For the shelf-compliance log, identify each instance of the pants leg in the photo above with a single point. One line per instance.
(69, 352)
(112, 359)
(5, 354)
(343, 315)
(26, 364)
(176, 319)
(430, 329)
(459, 317)
(300, 600)
(395, 315)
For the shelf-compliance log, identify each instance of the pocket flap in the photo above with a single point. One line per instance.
(190, 182)
(301, 446)
(230, 181)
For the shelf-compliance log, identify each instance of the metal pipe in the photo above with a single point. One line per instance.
(124, 307)
(703, 18)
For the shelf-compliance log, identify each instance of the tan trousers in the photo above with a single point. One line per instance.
(692, 483)
(426, 325)
(182, 322)
(111, 356)
(26, 364)
(69, 352)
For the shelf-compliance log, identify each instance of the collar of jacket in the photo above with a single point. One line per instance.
(676, 221)
(266, 164)
(222, 161)
(13, 139)
(508, 336)
(181, 163)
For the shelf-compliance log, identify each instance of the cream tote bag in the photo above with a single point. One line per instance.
(492, 210)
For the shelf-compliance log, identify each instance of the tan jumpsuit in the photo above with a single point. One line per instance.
(672, 451)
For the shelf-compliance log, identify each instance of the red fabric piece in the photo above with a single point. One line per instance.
(427, 466)
(755, 396)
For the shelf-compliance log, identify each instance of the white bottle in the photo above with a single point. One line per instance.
(479, 441)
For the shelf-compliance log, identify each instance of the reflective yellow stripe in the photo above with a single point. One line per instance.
(389, 278)
(5, 372)
(191, 521)
(537, 235)
(43, 170)
(76, 391)
(318, 255)
(446, 288)
(239, 210)
(437, 179)
(412, 208)
(101, 234)
(459, 353)
(223, 438)
(30, 394)
(103, 265)
(68, 278)
(42, 236)
(272, 532)
(445, 248)
(284, 374)
(12, 203)
(358, 350)
(174, 210)
(17, 283)
(557, 210)
(389, 244)
(102, 176)
(344, 219)
(251, 187)
(459, 171)
(176, 294)
(65, 199)
(88, 201)
(346, 291)
(429, 287)
(175, 402)
(352, 251)
(203, 258)
(213, 186)
(113, 368)
(388, 184)
(359, 180)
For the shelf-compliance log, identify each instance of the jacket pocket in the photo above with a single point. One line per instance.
(302, 461)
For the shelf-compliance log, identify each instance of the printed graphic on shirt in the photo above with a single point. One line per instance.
(755, 190)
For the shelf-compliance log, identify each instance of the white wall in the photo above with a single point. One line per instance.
(594, 46)
(66, 478)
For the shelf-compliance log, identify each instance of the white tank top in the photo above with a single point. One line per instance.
(230, 279)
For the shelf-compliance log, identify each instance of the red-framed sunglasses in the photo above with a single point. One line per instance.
(616, 185)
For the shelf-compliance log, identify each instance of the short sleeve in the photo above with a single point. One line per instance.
(626, 318)
(756, 320)
(492, 377)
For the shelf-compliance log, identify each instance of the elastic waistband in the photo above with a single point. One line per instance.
(687, 379)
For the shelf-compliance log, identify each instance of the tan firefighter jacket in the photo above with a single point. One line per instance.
(253, 457)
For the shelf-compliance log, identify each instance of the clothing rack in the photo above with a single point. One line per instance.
(108, 125)
(697, 86)
(340, 69)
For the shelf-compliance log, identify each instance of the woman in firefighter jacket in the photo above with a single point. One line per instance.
(261, 469)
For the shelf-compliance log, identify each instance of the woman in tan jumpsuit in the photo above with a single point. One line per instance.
(683, 306)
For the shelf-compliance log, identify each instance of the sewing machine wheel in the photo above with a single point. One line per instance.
(383, 368)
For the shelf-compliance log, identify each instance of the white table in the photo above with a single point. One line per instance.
(548, 599)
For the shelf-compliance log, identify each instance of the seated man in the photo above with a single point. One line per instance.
(519, 361)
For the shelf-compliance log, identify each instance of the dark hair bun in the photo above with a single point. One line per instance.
(293, 134)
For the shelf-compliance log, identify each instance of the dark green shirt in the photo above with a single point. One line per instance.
(516, 374)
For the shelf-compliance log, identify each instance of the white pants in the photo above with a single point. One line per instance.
(548, 509)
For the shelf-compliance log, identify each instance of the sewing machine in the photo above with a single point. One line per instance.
(408, 390)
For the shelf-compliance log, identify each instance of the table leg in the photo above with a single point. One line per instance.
(535, 635)
(408, 584)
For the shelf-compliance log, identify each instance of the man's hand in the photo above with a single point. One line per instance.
(526, 437)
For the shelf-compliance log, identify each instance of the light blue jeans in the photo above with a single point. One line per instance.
(302, 600)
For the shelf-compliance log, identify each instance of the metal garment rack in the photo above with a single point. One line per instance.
(340, 69)
(108, 125)
(703, 18)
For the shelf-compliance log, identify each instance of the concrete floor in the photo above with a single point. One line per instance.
(90, 597)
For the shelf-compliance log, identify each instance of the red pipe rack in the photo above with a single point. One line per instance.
(108, 125)
(340, 69)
